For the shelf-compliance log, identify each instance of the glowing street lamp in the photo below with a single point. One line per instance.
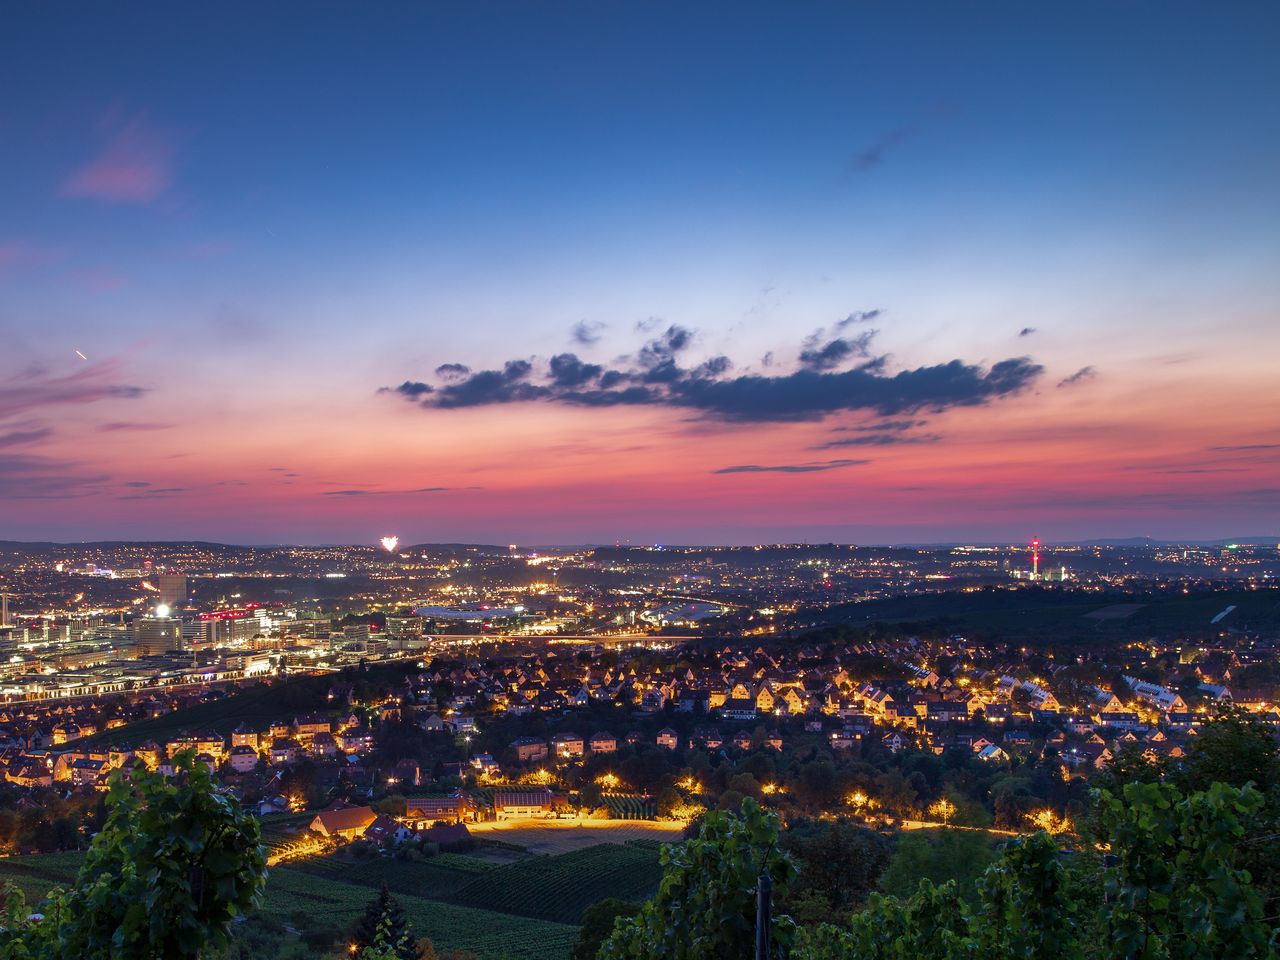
(943, 810)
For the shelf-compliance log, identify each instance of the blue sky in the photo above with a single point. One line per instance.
(259, 218)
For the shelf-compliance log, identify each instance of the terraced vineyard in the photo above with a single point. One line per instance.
(34, 876)
(560, 887)
(630, 806)
(436, 877)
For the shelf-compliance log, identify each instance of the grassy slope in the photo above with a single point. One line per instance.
(305, 899)
(556, 888)
(561, 887)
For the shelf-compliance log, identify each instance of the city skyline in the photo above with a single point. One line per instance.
(646, 275)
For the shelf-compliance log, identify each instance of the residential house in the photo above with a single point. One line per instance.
(346, 822)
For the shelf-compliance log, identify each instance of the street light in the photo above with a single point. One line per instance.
(944, 809)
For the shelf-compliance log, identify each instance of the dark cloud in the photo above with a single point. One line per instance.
(453, 371)
(811, 395)
(656, 376)
(429, 490)
(587, 332)
(662, 350)
(1242, 447)
(1026, 331)
(835, 353)
(568, 371)
(878, 440)
(413, 388)
(1080, 376)
(793, 467)
(137, 483)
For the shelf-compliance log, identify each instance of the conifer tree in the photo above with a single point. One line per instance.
(384, 925)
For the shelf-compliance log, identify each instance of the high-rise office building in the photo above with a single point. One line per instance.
(155, 635)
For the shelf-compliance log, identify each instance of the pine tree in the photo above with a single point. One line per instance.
(384, 925)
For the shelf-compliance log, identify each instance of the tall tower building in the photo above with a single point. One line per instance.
(173, 589)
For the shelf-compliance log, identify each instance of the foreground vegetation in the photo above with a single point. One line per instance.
(1172, 860)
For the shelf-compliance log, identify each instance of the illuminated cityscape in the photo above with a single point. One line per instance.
(639, 481)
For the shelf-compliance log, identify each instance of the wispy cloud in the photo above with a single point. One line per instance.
(29, 477)
(1242, 447)
(134, 164)
(793, 467)
(22, 436)
(36, 388)
(879, 440)
(1080, 376)
(364, 492)
(873, 153)
(587, 332)
(118, 426)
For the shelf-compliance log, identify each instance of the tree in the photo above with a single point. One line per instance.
(1176, 892)
(706, 903)
(385, 927)
(174, 864)
(940, 856)
(597, 923)
(1028, 911)
(1177, 889)
(840, 864)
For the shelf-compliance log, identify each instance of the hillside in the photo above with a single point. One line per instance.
(1034, 613)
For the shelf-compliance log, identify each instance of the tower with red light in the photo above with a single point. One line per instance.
(1035, 558)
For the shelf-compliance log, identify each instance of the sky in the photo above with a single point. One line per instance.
(639, 272)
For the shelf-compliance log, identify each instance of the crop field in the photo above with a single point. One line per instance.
(564, 836)
(560, 887)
